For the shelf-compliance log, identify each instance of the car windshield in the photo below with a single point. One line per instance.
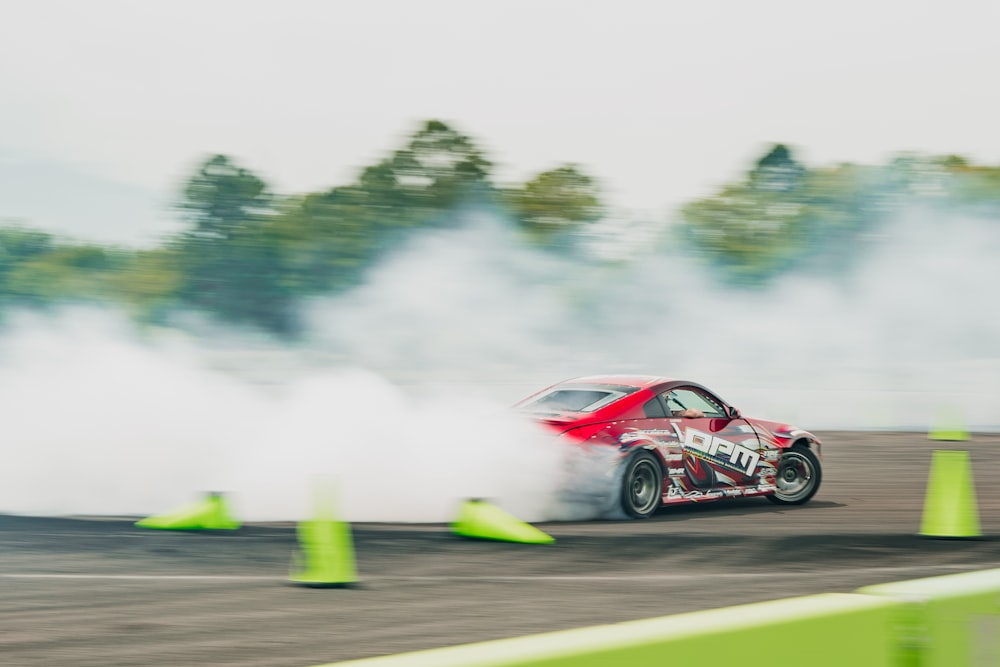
(573, 399)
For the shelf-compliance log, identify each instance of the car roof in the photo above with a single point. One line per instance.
(638, 381)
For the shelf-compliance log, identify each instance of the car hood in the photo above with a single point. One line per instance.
(780, 430)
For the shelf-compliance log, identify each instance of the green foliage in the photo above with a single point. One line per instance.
(784, 215)
(328, 239)
(221, 197)
(948, 181)
(18, 244)
(437, 169)
(249, 257)
(776, 171)
(979, 187)
(555, 202)
(148, 282)
(236, 278)
(751, 233)
(35, 270)
(228, 259)
(755, 227)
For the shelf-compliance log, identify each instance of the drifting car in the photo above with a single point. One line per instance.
(676, 441)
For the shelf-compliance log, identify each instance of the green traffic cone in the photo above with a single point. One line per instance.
(482, 520)
(950, 505)
(949, 427)
(211, 513)
(326, 555)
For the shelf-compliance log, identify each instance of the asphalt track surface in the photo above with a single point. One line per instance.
(87, 592)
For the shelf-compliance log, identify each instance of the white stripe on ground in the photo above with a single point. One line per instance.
(519, 578)
(148, 577)
(147, 535)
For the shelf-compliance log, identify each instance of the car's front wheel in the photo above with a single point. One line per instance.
(642, 486)
(798, 478)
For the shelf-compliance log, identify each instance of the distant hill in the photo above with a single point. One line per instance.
(67, 200)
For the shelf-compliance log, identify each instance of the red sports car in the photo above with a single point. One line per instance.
(676, 441)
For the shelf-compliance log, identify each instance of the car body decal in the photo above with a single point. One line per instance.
(719, 451)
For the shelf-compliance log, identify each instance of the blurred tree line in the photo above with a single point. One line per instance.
(782, 215)
(247, 255)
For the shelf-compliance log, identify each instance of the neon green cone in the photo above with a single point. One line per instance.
(211, 513)
(326, 555)
(950, 505)
(949, 427)
(482, 520)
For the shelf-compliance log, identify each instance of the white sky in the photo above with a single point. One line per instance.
(663, 101)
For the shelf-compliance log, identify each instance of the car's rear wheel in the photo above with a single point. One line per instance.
(642, 486)
(798, 478)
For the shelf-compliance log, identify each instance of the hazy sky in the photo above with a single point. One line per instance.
(114, 102)
(661, 100)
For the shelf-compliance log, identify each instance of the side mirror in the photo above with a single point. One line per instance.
(732, 412)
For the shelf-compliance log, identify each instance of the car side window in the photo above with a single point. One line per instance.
(682, 398)
(653, 409)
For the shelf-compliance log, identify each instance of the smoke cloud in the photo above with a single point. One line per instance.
(909, 332)
(400, 391)
(99, 422)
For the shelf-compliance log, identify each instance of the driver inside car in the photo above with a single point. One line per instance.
(687, 413)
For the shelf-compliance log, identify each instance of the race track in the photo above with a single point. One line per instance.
(99, 592)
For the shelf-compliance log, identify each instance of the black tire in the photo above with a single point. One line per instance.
(798, 478)
(642, 486)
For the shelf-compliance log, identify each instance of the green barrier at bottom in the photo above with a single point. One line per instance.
(828, 630)
(947, 621)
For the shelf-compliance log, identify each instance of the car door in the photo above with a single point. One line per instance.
(720, 453)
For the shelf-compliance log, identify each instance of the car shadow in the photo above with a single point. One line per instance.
(735, 507)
